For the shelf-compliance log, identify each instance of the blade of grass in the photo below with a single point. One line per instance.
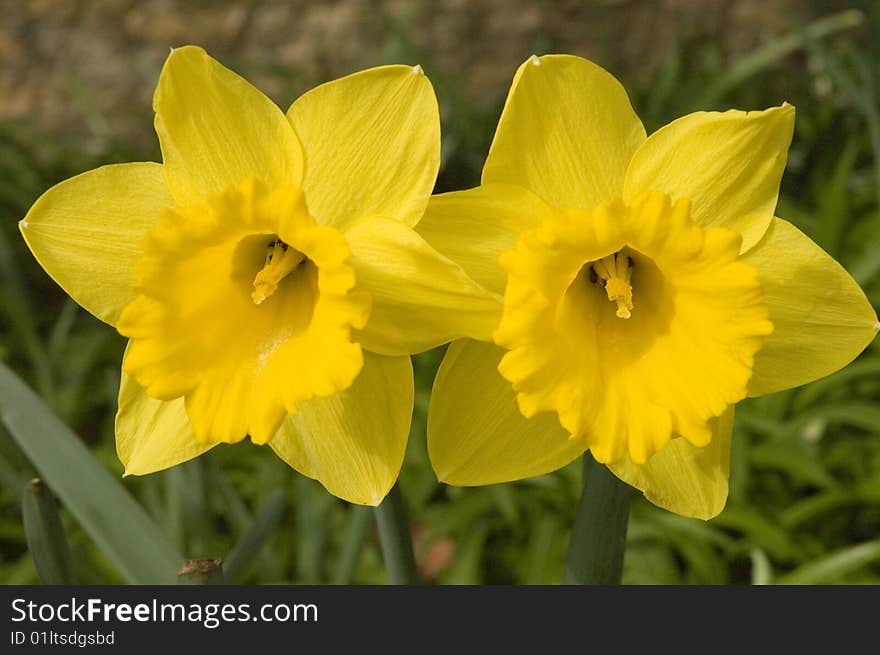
(120, 527)
(540, 549)
(21, 319)
(45, 535)
(834, 566)
(59, 337)
(11, 461)
(467, 568)
(808, 396)
(761, 531)
(262, 528)
(311, 530)
(762, 570)
(228, 501)
(357, 526)
(395, 538)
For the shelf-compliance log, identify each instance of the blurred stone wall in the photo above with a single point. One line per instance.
(89, 66)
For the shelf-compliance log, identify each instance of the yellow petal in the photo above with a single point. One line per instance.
(683, 478)
(152, 435)
(421, 299)
(216, 130)
(353, 442)
(476, 434)
(87, 232)
(474, 227)
(821, 318)
(372, 144)
(728, 164)
(567, 133)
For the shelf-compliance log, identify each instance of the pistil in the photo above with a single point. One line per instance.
(281, 260)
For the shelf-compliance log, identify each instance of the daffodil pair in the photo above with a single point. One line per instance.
(602, 290)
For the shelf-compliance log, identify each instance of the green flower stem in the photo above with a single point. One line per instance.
(396, 540)
(598, 536)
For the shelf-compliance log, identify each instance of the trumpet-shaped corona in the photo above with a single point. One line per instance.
(245, 305)
(632, 323)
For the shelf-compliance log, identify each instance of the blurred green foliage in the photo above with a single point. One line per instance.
(804, 501)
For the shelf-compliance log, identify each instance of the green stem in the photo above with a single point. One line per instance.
(598, 536)
(396, 540)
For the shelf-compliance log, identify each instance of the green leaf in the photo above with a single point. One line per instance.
(45, 535)
(834, 566)
(263, 527)
(120, 527)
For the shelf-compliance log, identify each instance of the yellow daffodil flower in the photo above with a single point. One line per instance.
(267, 273)
(647, 288)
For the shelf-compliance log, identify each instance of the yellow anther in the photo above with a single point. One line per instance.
(615, 271)
(280, 261)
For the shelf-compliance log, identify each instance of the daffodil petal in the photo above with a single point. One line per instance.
(683, 478)
(821, 318)
(216, 130)
(421, 299)
(372, 144)
(152, 435)
(87, 232)
(476, 433)
(728, 164)
(567, 133)
(475, 226)
(353, 442)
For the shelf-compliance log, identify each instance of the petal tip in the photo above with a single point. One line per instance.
(417, 70)
(535, 60)
(877, 325)
(181, 49)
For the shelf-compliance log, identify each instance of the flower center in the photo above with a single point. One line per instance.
(614, 273)
(281, 260)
